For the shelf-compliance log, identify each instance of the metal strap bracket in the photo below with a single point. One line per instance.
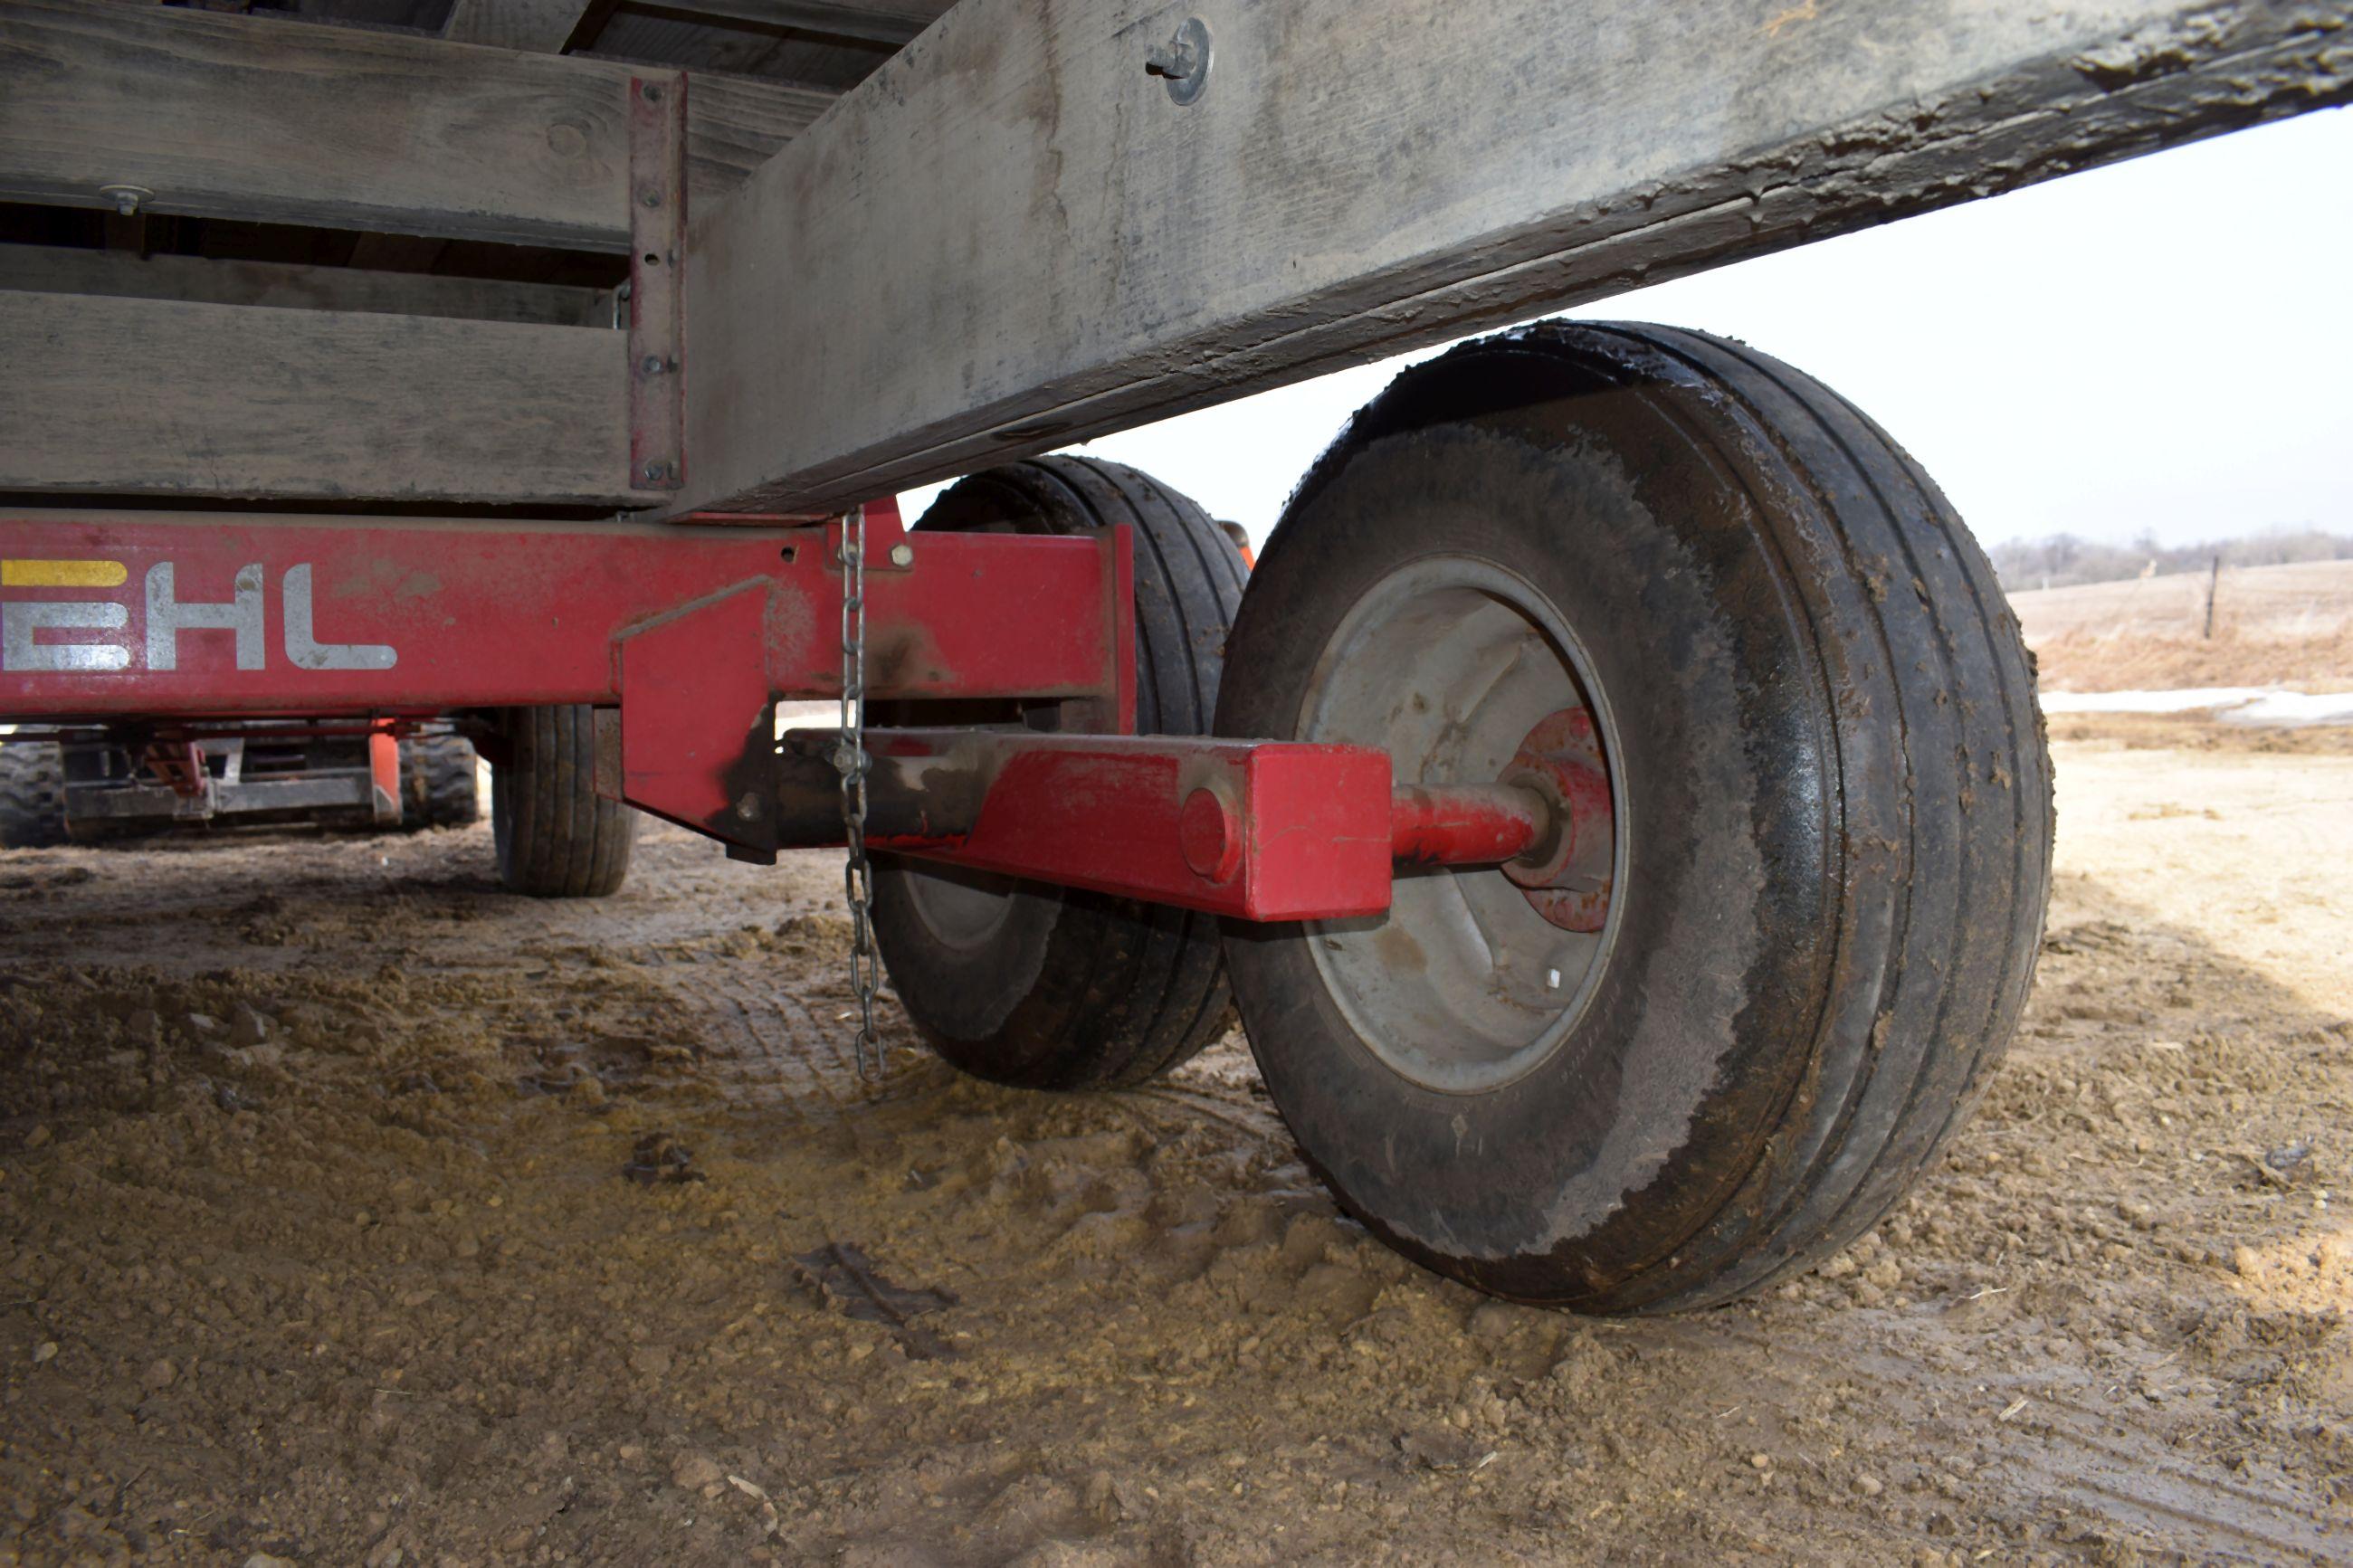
(657, 295)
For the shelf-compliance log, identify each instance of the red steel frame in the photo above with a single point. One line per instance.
(688, 634)
(390, 617)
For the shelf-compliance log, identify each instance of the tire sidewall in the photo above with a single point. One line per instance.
(1076, 989)
(1693, 1035)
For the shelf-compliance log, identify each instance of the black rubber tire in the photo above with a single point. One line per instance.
(557, 838)
(1071, 990)
(438, 788)
(32, 794)
(1837, 827)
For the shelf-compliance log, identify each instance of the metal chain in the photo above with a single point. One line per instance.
(849, 760)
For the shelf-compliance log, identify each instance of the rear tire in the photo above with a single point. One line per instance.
(1831, 854)
(32, 794)
(557, 838)
(1042, 988)
(438, 788)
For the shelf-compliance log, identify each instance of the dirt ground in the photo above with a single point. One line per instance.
(2289, 625)
(354, 1212)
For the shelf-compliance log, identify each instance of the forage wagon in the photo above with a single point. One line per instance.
(1616, 802)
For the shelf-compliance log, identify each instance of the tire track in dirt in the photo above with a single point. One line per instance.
(2136, 1471)
(387, 1253)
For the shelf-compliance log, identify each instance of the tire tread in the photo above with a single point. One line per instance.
(557, 839)
(32, 794)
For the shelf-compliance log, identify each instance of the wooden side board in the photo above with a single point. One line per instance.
(544, 26)
(1009, 236)
(110, 395)
(284, 122)
(876, 21)
(735, 123)
(61, 269)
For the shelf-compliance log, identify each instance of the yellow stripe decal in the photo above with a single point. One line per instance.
(63, 573)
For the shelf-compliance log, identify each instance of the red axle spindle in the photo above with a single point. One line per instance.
(1464, 824)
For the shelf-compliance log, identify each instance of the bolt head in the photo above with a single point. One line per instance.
(748, 807)
(1210, 836)
(902, 555)
(1183, 63)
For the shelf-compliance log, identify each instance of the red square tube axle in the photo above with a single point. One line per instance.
(1264, 830)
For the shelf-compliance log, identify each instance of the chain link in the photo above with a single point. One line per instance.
(850, 760)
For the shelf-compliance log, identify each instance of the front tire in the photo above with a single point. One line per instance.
(1830, 858)
(556, 837)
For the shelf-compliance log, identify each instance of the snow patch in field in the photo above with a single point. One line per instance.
(2233, 704)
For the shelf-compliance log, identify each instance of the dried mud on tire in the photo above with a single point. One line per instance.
(315, 1242)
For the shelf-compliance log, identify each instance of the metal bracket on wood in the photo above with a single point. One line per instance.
(657, 294)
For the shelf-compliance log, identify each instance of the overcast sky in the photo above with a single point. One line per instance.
(2163, 345)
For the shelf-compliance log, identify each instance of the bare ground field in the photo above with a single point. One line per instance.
(2288, 624)
(352, 1210)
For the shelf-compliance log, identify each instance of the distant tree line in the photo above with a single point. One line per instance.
(2058, 560)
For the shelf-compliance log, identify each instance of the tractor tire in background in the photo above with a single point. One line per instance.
(32, 794)
(1042, 988)
(438, 788)
(557, 838)
(1804, 725)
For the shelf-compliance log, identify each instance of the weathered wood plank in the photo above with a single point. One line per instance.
(877, 21)
(735, 123)
(289, 123)
(64, 269)
(113, 395)
(1008, 236)
(542, 26)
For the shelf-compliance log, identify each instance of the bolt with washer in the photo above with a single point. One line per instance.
(1183, 62)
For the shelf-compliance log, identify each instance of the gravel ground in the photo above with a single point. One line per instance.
(354, 1212)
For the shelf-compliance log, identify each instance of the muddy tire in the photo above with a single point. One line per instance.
(437, 782)
(1824, 883)
(1044, 987)
(32, 796)
(557, 838)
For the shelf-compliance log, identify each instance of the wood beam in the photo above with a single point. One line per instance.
(284, 122)
(1009, 236)
(150, 397)
(893, 22)
(66, 269)
(541, 27)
